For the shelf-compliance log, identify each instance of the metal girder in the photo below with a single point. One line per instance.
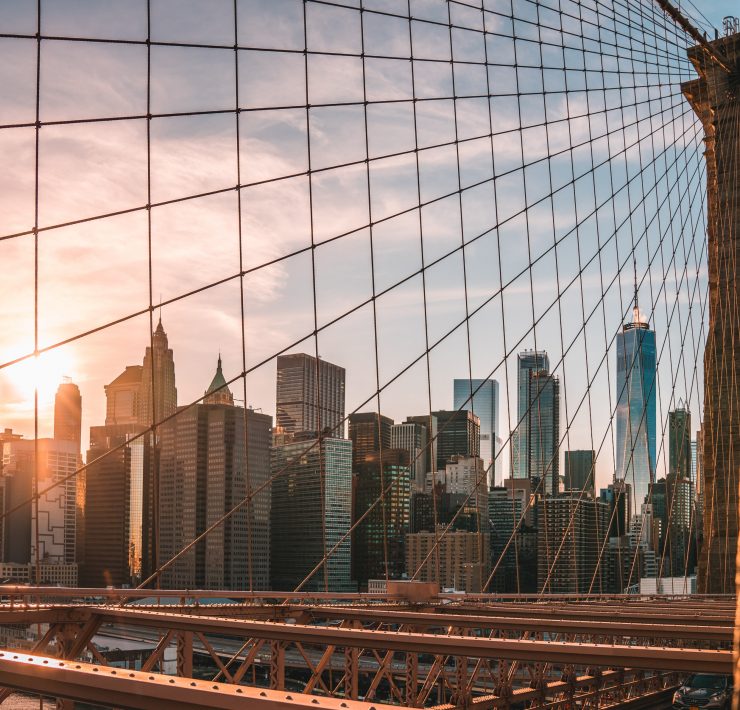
(584, 612)
(645, 657)
(118, 687)
(606, 628)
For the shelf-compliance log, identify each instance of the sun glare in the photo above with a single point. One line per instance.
(46, 372)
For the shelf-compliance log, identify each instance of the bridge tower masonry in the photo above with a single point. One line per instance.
(714, 98)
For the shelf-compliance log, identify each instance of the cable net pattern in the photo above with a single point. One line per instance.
(416, 191)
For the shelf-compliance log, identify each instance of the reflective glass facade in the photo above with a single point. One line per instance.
(381, 534)
(484, 405)
(527, 361)
(311, 510)
(636, 395)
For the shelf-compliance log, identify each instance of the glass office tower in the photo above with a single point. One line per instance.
(311, 514)
(636, 388)
(484, 405)
(527, 361)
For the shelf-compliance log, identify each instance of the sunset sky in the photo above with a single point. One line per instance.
(94, 273)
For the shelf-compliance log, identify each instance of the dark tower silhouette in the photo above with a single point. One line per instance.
(68, 413)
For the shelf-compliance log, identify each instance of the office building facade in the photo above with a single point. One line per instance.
(636, 408)
(311, 513)
(412, 437)
(458, 434)
(117, 526)
(570, 536)
(158, 393)
(379, 538)
(580, 470)
(481, 397)
(212, 455)
(369, 432)
(310, 395)
(527, 361)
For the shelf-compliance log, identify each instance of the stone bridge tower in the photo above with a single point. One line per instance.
(714, 98)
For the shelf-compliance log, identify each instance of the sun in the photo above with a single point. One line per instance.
(45, 372)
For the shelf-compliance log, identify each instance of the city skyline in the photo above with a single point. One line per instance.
(198, 243)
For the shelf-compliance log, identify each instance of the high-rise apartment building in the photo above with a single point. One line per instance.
(158, 394)
(211, 456)
(311, 514)
(570, 535)
(458, 434)
(378, 540)
(481, 398)
(636, 396)
(369, 432)
(310, 395)
(513, 555)
(580, 470)
(68, 413)
(527, 361)
(412, 437)
(464, 558)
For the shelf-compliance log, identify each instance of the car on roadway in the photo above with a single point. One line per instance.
(704, 690)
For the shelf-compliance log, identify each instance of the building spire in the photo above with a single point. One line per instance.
(636, 307)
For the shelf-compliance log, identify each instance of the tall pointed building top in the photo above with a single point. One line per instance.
(637, 320)
(218, 392)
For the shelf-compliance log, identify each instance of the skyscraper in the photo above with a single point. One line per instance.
(429, 450)
(527, 361)
(311, 512)
(679, 442)
(570, 532)
(211, 456)
(458, 434)
(535, 443)
(122, 397)
(544, 431)
(57, 519)
(158, 394)
(117, 529)
(370, 433)
(636, 394)
(484, 405)
(68, 413)
(580, 470)
(379, 538)
(310, 395)
(412, 436)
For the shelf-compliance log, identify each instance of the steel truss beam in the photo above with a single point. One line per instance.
(118, 687)
(645, 657)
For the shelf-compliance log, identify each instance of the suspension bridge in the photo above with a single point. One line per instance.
(418, 190)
